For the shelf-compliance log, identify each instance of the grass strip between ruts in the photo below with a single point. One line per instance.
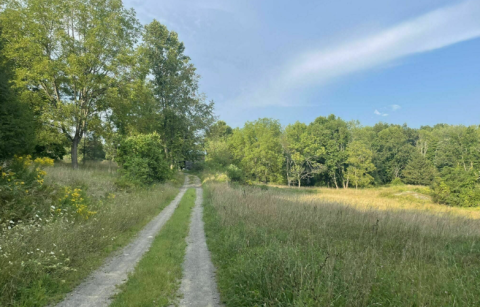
(156, 278)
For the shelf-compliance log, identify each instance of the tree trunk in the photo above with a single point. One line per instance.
(299, 182)
(335, 180)
(75, 142)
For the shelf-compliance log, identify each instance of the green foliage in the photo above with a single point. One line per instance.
(234, 173)
(218, 153)
(54, 151)
(143, 160)
(23, 194)
(91, 148)
(257, 149)
(172, 105)
(393, 151)
(301, 153)
(332, 134)
(72, 56)
(219, 130)
(16, 119)
(419, 171)
(360, 164)
(457, 187)
(397, 182)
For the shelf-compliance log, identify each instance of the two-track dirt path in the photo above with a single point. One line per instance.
(199, 288)
(101, 285)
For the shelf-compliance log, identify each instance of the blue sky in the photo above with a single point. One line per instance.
(410, 61)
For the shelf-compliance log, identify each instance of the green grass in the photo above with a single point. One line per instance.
(272, 250)
(40, 261)
(155, 281)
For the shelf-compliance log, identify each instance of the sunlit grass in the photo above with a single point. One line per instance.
(277, 248)
(398, 198)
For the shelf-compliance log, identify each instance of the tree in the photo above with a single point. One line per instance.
(219, 130)
(360, 164)
(178, 111)
(301, 153)
(73, 55)
(393, 149)
(419, 171)
(16, 118)
(257, 149)
(332, 134)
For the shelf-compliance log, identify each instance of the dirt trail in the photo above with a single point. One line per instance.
(199, 288)
(99, 287)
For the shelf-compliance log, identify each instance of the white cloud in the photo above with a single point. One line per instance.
(376, 112)
(437, 29)
(395, 107)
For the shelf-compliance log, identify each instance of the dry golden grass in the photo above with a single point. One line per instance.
(397, 198)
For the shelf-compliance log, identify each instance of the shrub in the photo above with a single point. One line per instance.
(457, 187)
(22, 189)
(397, 182)
(142, 159)
(234, 173)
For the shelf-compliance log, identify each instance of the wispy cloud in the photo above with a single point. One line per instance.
(376, 112)
(395, 107)
(437, 29)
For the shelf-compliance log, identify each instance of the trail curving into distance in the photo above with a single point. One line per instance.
(199, 288)
(101, 285)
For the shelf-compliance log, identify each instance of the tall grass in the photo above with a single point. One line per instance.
(275, 250)
(42, 259)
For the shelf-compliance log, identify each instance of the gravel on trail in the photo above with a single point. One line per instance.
(98, 289)
(198, 287)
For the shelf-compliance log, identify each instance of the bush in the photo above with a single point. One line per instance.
(142, 159)
(397, 182)
(457, 187)
(234, 173)
(22, 192)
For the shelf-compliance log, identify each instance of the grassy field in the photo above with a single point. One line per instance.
(44, 258)
(278, 248)
(156, 278)
(395, 198)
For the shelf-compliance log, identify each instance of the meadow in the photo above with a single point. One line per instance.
(393, 198)
(294, 247)
(44, 257)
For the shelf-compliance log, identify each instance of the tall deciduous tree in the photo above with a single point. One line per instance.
(179, 112)
(72, 53)
(360, 164)
(302, 153)
(332, 134)
(257, 149)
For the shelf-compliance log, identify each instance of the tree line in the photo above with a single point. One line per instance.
(335, 153)
(87, 69)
